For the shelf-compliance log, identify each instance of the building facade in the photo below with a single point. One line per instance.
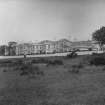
(63, 45)
(37, 48)
(24, 48)
(46, 47)
(82, 45)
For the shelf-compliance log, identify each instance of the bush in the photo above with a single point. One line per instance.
(72, 55)
(29, 69)
(25, 69)
(19, 61)
(5, 62)
(11, 63)
(94, 53)
(58, 62)
(55, 62)
(41, 60)
(99, 60)
(98, 54)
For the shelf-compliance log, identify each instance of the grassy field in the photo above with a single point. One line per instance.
(72, 82)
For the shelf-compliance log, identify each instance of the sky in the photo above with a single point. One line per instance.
(36, 20)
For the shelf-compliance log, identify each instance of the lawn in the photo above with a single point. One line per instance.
(58, 86)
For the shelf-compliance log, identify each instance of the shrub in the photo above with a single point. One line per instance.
(55, 62)
(25, 69)
(41, 60)
(11, 63)
(72, 55)
(6, 61)
(99, 60)
(19, 61)
(94, 53)
(58, 62)
(16, 63)
(29, 69)
(98, 54)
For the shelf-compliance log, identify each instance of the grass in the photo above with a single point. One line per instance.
(58, 86)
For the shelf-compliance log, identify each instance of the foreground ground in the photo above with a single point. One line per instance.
(58, 85)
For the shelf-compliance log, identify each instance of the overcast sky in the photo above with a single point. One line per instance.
(31, 20)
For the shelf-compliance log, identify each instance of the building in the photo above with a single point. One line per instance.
(82, 45)
(29, 48)
(37, 48)
(48, 46)
(24, 48)
(63, 45)
(43, 47)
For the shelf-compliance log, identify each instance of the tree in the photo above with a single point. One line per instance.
(99, 36)
(2, 50)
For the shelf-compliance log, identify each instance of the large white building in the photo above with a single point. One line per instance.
(47, 46)
(24, 48)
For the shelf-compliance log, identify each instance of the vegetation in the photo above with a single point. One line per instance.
(40, 60)
(2, 50)
(99, 36)
(55, 62)
(74, 82)
(30, 69)
(97, 61)
(72, 55)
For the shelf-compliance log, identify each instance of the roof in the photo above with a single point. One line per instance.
(64, 40)
(46, 42)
